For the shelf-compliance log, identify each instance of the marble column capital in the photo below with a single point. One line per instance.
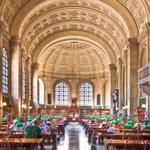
(112, 67)
(15, 41)
(35, 66)
(124, 56)
(120, 61)
(28, 60)
(2, 26)
(132, 42)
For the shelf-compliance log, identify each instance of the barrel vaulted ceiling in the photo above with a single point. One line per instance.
(57, 33)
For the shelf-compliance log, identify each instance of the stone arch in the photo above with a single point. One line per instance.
(96, 40)
(28, 7)
(66, 82)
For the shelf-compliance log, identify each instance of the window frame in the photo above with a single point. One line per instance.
(87, 102)
(5, 71)
(39, 95)
(23, 83)
(63, 102)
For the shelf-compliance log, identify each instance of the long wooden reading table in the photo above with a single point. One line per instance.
(32, 143)
(127, 144)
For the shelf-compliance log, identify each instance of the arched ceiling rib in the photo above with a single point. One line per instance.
(15, 11)
(115, 42)
(73, 57)
(75, 11)
(140, 9)
(63, 36)
(17, 15)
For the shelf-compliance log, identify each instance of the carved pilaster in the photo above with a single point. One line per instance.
(120, 81)
(28, 73)
(132, 77)
(113, 81)
(35, 67)
(16, 70)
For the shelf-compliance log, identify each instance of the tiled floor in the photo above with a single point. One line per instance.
(75, 139)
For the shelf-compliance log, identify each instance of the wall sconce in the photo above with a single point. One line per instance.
(30, 107)
(117, 108)
(24, 106)
(143, 106)
(4, 103)
(125, 107)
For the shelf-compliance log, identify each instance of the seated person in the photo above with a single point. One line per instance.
(102, 125)
(16, 126)
(32, 131)
(112, 129)
(92, 121)
(44, 126)
(13, 126)
(139, 126)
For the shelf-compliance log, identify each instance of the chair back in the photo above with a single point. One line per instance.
(5, 145)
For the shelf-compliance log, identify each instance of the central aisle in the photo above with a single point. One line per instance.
(75, 139)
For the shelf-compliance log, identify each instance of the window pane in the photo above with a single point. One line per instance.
(23, 84)
(61, 94)
(86, 94)
(41, 91)
(4, 71)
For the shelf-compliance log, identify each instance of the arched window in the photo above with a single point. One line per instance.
(23, 83)
(61, 93)
(86, 94)
(4, 71)
(41, 91)
(30, 89)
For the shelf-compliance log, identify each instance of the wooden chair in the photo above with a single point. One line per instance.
(147, 146)
(5, 145)
(136, 146)
(19, 146)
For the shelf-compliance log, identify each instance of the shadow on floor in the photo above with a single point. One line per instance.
(93, 147)
(54, 148)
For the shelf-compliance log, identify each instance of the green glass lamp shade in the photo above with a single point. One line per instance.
(109, 119)
(5, 119)
(114, 122)
(148, 126)
(19, 124)
(119, 120)
(127, 126)
(130, 121)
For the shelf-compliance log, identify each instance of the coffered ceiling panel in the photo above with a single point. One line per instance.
(73, 57)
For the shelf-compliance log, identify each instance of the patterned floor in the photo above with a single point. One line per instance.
(75, 139)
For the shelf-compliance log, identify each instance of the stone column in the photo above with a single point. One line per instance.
(103, 94)
(132, 75)
(120, 82)
(28, 62)
(16, 80)
(73, 92)
(113, 83)
(35, 68)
